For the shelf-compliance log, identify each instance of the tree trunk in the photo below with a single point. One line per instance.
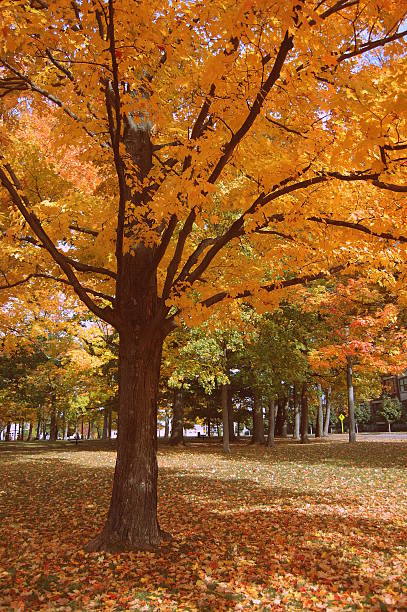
(30, 431)
(132, 518)
(167, 426)
(109, 423)
(327, 411)
(258, 422)
(284, 432)
(297, 414)
(225, 419)
(44, 430)
(88, 436)
(319, 430)
(389, 427)
(22, 431)
(8, 430)
(82, 428)
(209, 427)
(177, 430)
(53, 431)
(105, 418)
(38, 432)
(270, 437)
(351, 401)
(232, 436)
(304, 414)
(279, 415)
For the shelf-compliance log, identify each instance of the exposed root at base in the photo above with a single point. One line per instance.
(102, 543)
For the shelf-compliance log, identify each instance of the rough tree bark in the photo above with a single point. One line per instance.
(304, 413)
(351, 401)
(258, 422)
(30, 431)
(177, 430)
(8, 430)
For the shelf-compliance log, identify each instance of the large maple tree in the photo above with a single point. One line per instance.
(160, 158)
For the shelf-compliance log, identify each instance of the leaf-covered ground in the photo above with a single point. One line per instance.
(308, 528)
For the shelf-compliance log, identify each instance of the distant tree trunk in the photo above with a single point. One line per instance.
(304, 414)
(297, 413)
(44, 429)
(284, 432)
(319, 429)
(8, 430)
(232, 436)
(90, 425)
(389, 427)
(225, 419)
(258, 422)
(167, 425)
(351, 401)
(270, 437)
(327, 411)
(209, 427)
(38, 433)
(177, 431)
(109, 423)
(22, 431)
(105, 422)
(30, 431)
(53, 432)
(281, 417)
(238, 429)
(82, 428)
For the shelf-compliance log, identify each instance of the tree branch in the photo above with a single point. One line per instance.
(21, 202)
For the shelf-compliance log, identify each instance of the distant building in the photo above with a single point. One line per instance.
(393, 386)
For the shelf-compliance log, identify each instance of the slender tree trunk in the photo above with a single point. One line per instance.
(177, 431)
(270, 437)
(109, 423)
(284, 432)
(38, 432)
(132, 518)
(225, 419)
(22, 424)
(351, 401)
(319, 430)
(66, 427)
(30, 431)
(44, 430)
(167, 426)
(88, 436)
(82, 428)
(327, 411)
(280, 415)
(389, 427)
(232, 436)
(297, 414)
(258, 421)
(304, 414)
(105, 419)
(209, 427)
(53, 432)
(8, 429)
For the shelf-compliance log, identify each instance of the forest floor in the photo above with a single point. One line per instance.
(315, 527)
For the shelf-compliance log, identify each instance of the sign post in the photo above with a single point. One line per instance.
(341, 418)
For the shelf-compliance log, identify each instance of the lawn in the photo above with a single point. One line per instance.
(314, 527)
